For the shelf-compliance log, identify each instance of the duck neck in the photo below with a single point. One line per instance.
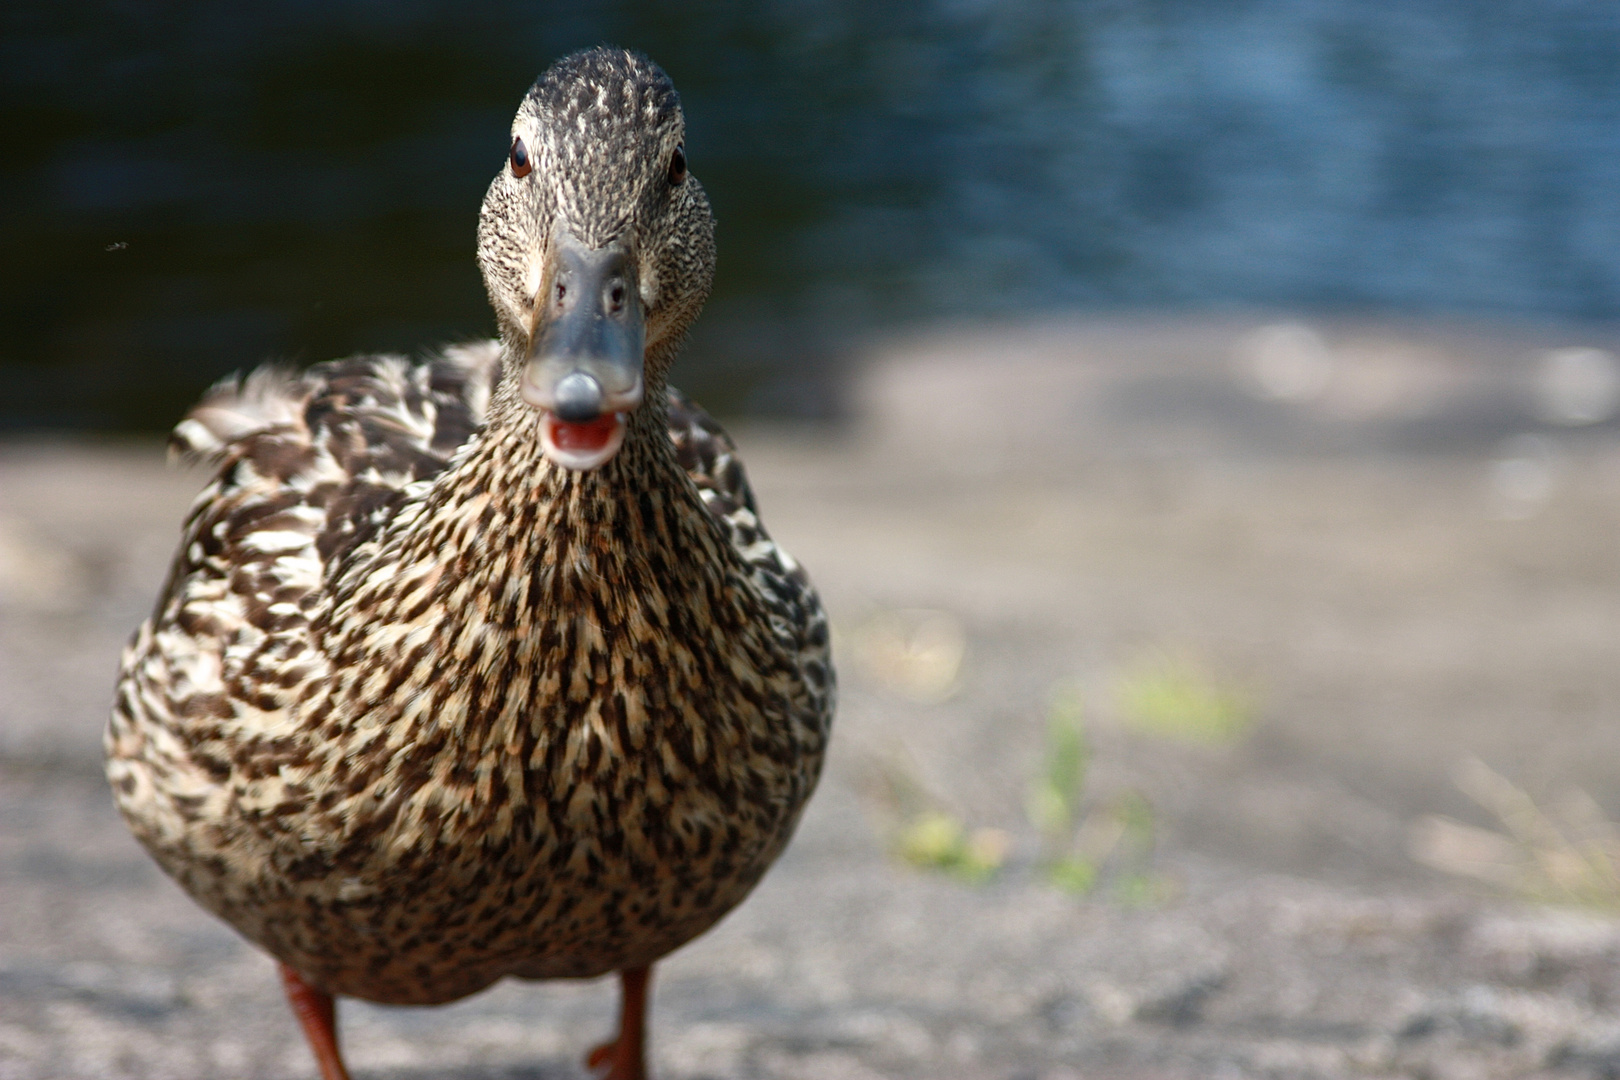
(510, 503)
(537, 539)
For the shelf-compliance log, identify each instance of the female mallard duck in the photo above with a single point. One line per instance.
(485, 667)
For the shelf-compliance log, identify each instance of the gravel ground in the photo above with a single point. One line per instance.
(1392, 546)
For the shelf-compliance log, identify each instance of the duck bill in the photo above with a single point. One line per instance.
(584, 372)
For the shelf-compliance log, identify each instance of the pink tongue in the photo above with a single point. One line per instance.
(585, 437)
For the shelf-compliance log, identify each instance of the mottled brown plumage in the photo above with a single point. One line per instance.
(420, 708)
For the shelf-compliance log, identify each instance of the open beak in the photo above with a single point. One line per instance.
(584, 371)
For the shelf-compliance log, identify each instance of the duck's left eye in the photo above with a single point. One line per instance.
(677, 165)
(520, 159)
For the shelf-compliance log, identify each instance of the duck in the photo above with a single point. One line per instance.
(483, 665)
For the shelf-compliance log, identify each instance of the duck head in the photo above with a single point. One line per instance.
(597, 248)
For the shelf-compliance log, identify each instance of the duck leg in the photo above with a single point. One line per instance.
(317, 1015)
(626, 1056)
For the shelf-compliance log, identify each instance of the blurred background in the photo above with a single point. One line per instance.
(1202, 420)
(194, 187)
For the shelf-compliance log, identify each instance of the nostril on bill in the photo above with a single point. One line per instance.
(578, 398)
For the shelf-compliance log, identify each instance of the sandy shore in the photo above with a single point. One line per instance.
(1379, 553)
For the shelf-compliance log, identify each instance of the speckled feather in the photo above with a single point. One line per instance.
(419, 709)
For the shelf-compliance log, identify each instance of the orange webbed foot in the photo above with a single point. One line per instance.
(626, 1066)
(626, 1056)
(317, 1015)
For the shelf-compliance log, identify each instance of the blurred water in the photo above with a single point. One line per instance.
(187, 188)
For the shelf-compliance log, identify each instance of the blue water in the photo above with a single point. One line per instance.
(189, 188)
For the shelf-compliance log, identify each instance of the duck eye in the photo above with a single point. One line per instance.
(520, 159)
(677, 165)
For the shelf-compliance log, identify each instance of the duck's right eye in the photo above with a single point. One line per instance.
(520, 159)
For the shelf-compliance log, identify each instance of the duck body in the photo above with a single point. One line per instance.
(432, 695)
(517, 720)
